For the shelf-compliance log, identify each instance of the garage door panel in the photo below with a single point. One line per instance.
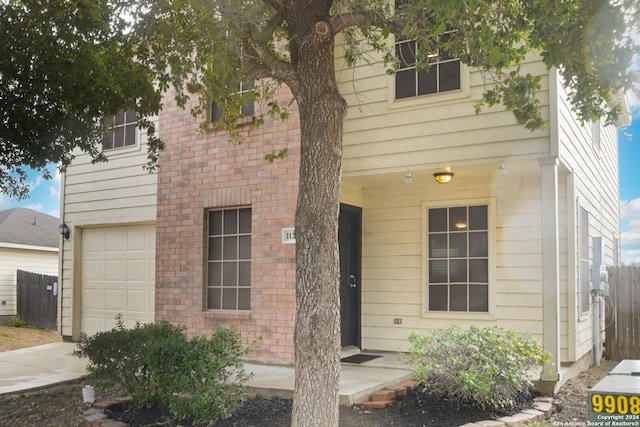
(92, 270)
(114, 300)
(118, 271)
(92, 299)
(92, 325)
(137, 241)
(114, 270)
(138, 301)
(109, 323)
(114, 240)
(137, 270)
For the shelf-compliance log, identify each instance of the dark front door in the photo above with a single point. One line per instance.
(349, 232)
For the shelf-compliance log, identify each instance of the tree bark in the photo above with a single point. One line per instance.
(317, 330)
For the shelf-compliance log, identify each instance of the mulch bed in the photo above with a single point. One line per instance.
(415, 409)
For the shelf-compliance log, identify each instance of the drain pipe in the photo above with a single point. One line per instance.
(600, 286)
(597, 345)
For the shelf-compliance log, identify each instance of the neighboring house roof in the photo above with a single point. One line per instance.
(21, 226)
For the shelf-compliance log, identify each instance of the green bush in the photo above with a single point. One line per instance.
(486, 367)
(17, 323)
(156, 364)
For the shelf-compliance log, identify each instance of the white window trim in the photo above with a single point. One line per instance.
(491, 217)
(207, 260)
(432, 98)
(583, 315)
(117, 152)
(596, 135)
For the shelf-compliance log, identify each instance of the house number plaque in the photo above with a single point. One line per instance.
(288, 236)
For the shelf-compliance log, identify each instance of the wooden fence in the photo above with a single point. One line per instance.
(37, 300)
(622, 320)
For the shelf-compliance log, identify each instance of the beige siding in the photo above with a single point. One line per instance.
(384, 139)
(382, 135)
(394, 243)
(118, 192)
(596, 189)
(11, 260)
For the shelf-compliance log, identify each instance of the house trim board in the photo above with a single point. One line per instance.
(28, 247)
(550, 266)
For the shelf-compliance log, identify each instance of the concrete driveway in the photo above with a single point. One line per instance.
(39, 366)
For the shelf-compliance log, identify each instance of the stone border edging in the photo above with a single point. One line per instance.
(542, 407)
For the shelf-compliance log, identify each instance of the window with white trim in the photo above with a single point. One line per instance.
(583, 244)
(458, 259)
(596, 128)
(444, 74)
(229, 259)
(121, 130)
(247, 109)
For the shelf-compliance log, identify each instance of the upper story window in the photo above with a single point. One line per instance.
(443, 76)
(458, 259)
(229, 259)
(121, 130)
(247, 109)
(596, 131)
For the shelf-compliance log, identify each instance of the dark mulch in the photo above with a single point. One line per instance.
(414, 410)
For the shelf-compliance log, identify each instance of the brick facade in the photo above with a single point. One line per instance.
(199, 172)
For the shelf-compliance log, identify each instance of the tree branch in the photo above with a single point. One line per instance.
(343, 21)
(267, 63)
(277, 5)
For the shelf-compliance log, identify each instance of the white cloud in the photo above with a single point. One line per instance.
(54, 187)
(35, 183)
(634, 103)
(630, 230)
(35, 206)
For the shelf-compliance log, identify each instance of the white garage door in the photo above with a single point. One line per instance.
(118, 276)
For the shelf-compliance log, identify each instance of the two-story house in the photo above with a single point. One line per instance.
(448, 217)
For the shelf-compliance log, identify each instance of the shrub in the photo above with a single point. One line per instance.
(17, 323)
(485, 367)
(156, 364)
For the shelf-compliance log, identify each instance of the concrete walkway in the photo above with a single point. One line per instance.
(35, 367)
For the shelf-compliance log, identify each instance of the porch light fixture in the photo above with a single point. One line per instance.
(408, 179)
(443, 177)
(64, 230)
(502, 170)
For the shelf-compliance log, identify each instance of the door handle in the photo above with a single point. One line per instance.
(352, 281)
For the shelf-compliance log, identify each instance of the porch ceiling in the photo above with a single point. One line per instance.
(419, 176)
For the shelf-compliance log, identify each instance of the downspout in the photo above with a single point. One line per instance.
(597, 345)
(600, 285)
(61, 284)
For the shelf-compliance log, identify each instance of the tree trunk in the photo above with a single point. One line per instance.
(317, 330)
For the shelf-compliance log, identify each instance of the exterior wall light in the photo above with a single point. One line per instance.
(443, 177)
(64, 230)
(408, 179)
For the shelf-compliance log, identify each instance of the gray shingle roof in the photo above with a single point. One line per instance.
(28, 227)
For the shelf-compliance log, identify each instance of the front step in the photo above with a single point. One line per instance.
(385, 397)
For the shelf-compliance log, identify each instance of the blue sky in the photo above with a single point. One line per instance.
(45, 194)
(629, 155)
